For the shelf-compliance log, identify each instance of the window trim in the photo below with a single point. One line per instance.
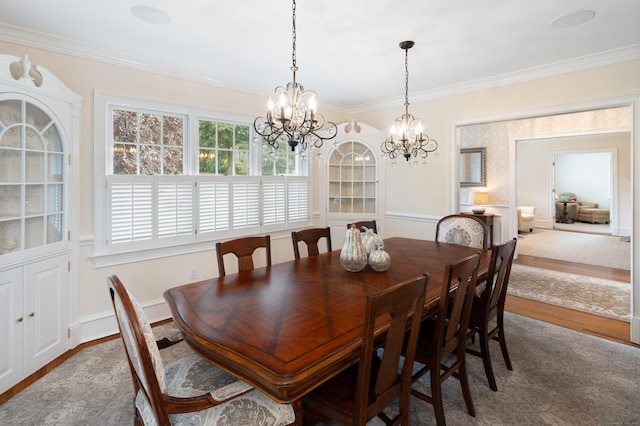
(103, 102)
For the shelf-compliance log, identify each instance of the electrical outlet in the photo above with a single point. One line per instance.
(194, 273)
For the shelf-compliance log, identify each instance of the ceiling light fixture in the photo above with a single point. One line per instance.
(293, 118)
(572, 19)
(407, 133)
(151, 14)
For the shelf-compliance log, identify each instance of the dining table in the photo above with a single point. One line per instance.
(289, 327)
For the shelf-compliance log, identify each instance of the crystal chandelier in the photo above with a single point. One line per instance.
(407, 133)
(293, 117)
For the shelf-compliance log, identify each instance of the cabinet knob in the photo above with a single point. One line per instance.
(20, 319)
(32, 314)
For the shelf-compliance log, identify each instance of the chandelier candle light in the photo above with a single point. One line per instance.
(294, 117)
(407, 133)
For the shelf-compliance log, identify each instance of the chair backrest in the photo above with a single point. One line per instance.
(310, 237)
(394, 303)
(454, 307)
(369, 224)
(495, 292)
(462, 229)
(243, 249)
(140, 345)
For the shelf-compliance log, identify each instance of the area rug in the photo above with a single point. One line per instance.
(590, 249)
(593, 295)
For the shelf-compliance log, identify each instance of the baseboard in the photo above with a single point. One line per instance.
(104, 324)
(635, 330)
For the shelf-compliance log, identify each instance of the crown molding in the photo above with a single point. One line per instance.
(19, 35)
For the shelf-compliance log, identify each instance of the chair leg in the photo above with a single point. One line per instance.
(486, 359)
(436, 396)
(503, 342)
(466, 391)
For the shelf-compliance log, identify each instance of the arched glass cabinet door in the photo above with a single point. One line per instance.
(31, 178)
(352, 170)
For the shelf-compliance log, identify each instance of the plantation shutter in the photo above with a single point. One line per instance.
(274, 204)
(130, 203)
(246, 204)
(213, 205)
(175, 208)
(298, 201)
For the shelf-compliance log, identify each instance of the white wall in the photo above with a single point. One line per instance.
(587, 174)
(416, 197)
(535, 179)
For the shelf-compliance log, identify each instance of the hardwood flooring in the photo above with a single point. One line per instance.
(617, 331)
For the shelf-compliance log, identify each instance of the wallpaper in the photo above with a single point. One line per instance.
(495, 137)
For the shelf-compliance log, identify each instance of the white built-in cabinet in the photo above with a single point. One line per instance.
(39, 118)
(352, 171)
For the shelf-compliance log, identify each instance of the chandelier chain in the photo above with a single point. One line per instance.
(406, 77)
(293, 34)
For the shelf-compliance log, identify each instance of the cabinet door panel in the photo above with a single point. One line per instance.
(11, 322)
(46, 307)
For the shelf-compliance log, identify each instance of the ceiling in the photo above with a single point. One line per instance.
(347, 50)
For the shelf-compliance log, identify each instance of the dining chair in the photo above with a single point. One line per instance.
(462, 229)
(442, 341)
(189, 390)
(369, 224)
(310, 237)
(487, 310)
(243, 249)
(366, 389)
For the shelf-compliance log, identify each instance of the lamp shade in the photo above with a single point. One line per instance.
(480, 198)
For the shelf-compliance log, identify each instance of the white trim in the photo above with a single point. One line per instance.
(633, 101)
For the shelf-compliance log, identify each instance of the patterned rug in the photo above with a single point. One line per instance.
(593, 295)
(591, 249)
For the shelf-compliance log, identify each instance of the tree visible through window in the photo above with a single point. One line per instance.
(147, 144)
(224, 149)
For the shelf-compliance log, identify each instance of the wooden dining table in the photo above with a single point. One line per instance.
(289, 327)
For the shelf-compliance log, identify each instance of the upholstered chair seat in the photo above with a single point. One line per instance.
(189, 391)
(192, 376)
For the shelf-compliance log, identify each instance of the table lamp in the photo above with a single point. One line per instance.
(479, 200)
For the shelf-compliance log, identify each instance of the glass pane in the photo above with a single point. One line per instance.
(55, 167)
(10, 165)
(225, 135)
(207, 161)
(54, 198)
(33, 232)
(124, 126)
(37, 118)
(242, 163)
(34, 140)
(172, 131)
(35, 167)
(54, 228)
(150, 128)
(150, 160)
(9, 236)
(12, 137)
(33, 199)
(10, 112)
(52, 139)
(242, 137)
(224, 159)
(207, 134)
(124, 159)
(172, 161)
(9, 201)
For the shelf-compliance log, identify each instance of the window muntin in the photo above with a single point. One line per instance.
(223, 148)
(219, 193)
(147, 143)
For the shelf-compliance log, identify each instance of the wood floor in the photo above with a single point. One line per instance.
(617, 331)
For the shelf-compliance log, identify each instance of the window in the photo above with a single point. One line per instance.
(168, 183)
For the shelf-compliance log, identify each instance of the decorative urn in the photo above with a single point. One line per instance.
(353, 256)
